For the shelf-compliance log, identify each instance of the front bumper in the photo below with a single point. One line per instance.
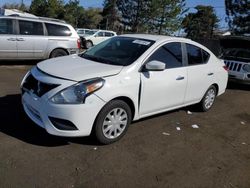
(82, 116)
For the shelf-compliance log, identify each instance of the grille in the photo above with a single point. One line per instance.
(233, 66)
(37, 87)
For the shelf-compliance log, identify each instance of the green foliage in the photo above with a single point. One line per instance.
(92, 18)
(238, 13)
(111, 18)
(152, 16)
(165, 15)
(47, 8)
(202, 23)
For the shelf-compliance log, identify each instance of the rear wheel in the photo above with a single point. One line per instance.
(112, 122)
(89, 44)
(58, 53)
(208, 99)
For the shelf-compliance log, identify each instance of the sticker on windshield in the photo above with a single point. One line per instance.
(142, 42)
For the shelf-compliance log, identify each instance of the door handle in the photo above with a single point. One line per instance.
(210, 74)
(11, 39)
(20, 39)
(180, 78)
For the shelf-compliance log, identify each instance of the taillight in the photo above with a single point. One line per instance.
(226, 68)
(78, 43)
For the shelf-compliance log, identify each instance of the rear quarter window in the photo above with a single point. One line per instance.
(196, 55)
(57, 30)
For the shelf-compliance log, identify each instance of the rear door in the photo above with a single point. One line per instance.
(98, 37)
(8, 45)
(31, 42)
(200, 73)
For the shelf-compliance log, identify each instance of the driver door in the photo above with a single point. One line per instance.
(162, 90)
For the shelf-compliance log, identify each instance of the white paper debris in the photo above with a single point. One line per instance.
(178, 128)
(189, 113)
(95, 148)
(243, 143)
(166, 134)
(243, 123)
(195, 126)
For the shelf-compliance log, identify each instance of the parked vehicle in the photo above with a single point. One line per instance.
(36, 38)
(96, 36)
(236, 55)
(83, 32)
(122, 79)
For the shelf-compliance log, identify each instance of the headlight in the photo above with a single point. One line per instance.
(246, 68)
(77, 93)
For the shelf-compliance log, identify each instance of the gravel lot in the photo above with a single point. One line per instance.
(152, 154)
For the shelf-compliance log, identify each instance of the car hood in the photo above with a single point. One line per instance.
(76, 68)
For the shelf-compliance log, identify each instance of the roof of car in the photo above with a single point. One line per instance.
(42, 19)
(155, 37)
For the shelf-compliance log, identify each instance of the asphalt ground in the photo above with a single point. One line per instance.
(153, 153)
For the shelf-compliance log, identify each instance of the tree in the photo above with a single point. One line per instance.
(111, 17)
(133, 13)
(73, 13)
(238, 16)
(202, 23)
(165, 15)
(47, 8)
(92, 18)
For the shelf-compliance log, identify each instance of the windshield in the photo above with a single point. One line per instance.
(121, 51)
(90, 32)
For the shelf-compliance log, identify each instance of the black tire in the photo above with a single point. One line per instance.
(103, 116)
(88, 44)
(58, 53)
(203, 106)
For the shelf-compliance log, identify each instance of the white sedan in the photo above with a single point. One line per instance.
(122, 79)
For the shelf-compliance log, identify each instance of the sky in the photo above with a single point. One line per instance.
(219, 6)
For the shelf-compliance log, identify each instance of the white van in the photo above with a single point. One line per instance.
(24, 38)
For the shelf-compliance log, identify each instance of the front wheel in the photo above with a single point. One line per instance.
(208, 99)
(112, 122)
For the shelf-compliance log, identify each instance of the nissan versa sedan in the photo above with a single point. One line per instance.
(122, 79)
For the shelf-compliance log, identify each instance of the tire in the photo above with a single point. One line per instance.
(58, 53)
(109, 127)
(88, 44)
(208, 99)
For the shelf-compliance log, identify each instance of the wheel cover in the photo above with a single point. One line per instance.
(115, 123)
(209, 99)
(88, 44)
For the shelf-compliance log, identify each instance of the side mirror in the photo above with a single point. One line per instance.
(155, 66)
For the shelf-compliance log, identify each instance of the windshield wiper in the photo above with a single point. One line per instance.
(98, 59)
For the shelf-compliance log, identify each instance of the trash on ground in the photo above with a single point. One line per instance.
(178, 128)
(243, 143)
(195, 126)
(166, 134)
(188, 112)
(243, 123)
(95, 148)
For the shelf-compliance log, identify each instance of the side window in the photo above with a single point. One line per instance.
(100, 34)
(57, 30)
(30, 28)
(108, 34)
(6, 26)
(194, 54)
(170, 54)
